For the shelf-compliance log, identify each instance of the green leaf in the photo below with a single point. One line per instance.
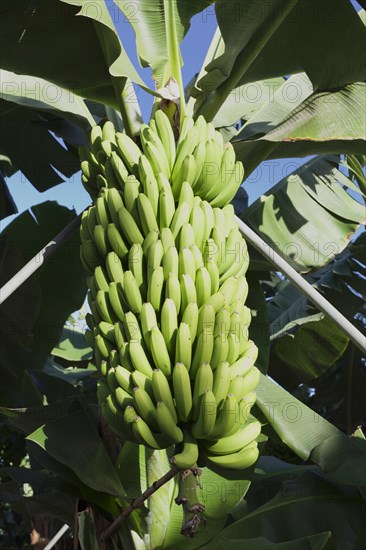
(301, 357)
(16, 88)
(149, 21)
(33, 149)
(61, 43)
(341, 282)
(302, 508)
(246, 100)
(32, 318)
(308, 217)
(329, 62)
(296, 124)
(71, 375)
(72, 345)
(74, 441)
(310, 436)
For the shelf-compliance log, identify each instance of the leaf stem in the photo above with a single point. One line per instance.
(108, 532)
(174, 52)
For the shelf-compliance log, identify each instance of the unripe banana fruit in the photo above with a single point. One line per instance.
(167, 288)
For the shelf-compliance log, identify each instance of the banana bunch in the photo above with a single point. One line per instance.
(167, 288)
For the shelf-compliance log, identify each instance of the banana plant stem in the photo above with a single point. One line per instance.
(108, 532)
(306, 288)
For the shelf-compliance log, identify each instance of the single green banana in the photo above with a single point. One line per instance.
(213, 270)
(180, 217)
(187, 264)
(132, 292)
(167, 239)
(155, 288)
(139, 358)
(103, 345)
(197, 220)
(101, 240)
(145, 436)
(209, 218)
(107, 331)
(119, 336)
(114, 202)
(104, 307)
(131, 327)
(190, 316)
(148, 320)
(188, 456)
(221, 383)
(169, 324)
(187, 174)
(159, 351)
(202, 382)
(186, 236)
(114, 268)
(251, 380)
(136, 262)
(235, 442)
(167, 423)
(129, 152)
(173, 290)
(182, 392)
(230, 189)
(183, 345)
(197, 255)
(227, 421)
(117, 301)
(108, 131)
(234, 348)
(123, 378)
(203, 350)
(206, 318)
(241, 460)
(186, 194)
(206, 416)
(145, 407)
(101, 278)
(171, 262)
(162, 392)
(132, 190)
(129, 227)
(122, 397)
(140, 380)
(165, 132)
(116, 241)
(154, 256)
(203, 286)
(188, 290)
(220, 350)
(148, 221)
(245, 362)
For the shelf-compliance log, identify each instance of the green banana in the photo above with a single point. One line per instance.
(167, 423)
(241, 460)
(188, 457)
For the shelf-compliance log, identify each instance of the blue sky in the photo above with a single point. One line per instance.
(194, 48)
